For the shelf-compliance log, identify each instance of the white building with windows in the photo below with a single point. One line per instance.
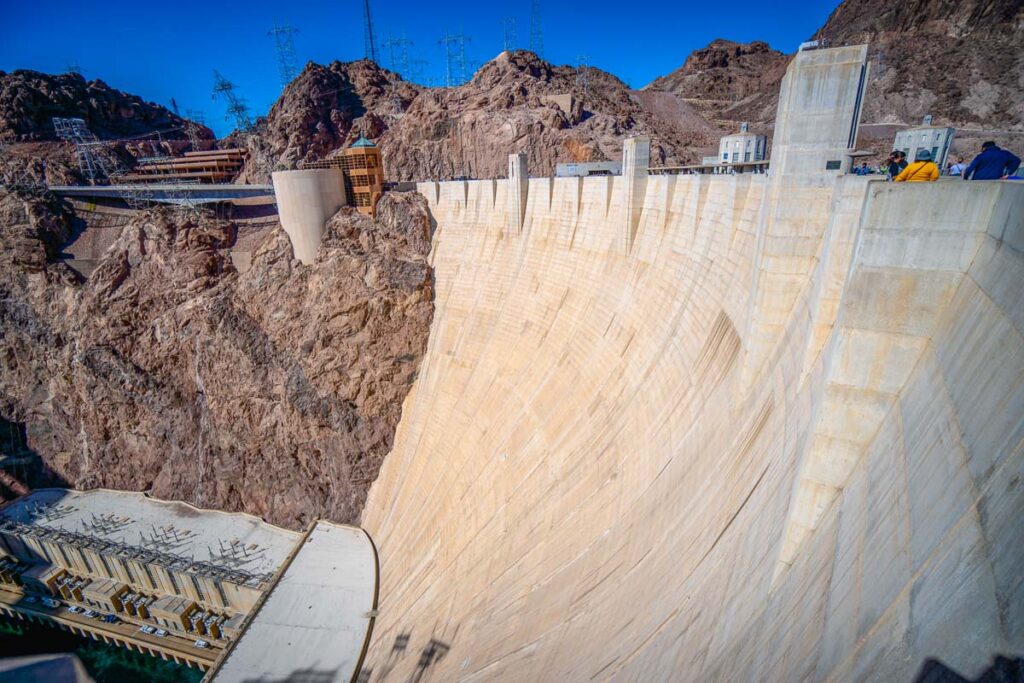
(742, 147)
(935, 139)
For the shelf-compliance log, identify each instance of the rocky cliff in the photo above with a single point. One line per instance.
(515, 102)
(276, 391)
(959, 60)
(729, 81)
(29, 100)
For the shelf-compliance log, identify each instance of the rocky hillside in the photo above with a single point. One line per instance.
(30, 99)
(276, 391)
(469, 130)
(959, 60)
(729, 81)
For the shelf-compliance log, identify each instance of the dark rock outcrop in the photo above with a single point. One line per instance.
(29, 100)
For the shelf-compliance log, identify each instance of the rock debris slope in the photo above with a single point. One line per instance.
(275, 391)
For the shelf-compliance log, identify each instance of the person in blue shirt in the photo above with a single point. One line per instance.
(993, 163)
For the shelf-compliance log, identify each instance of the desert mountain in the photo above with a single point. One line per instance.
(958, 60)
(30, 99)
(729, 81)
(515, 102)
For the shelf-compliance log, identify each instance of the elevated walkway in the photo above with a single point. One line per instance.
(168, 193)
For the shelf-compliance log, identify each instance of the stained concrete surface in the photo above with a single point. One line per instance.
(750, 428)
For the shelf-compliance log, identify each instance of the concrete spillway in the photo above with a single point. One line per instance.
(772, 430)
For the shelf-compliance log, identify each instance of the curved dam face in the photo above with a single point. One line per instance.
(760, 429)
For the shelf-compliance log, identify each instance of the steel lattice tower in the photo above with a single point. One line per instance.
(88, 149)
(236, 105)
(284, 45)
(398, 58)
(508, 38)
(582, 64)
(455, 58)
(369, 46)
(194, 121)
(416, 69)
(536, 30)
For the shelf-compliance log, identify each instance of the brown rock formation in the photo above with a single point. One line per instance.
(30, 99)
(276, 391)
(959, 61)
(729, 81)
(469, 130)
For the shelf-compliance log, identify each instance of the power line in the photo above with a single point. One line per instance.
(236, 105)
(455, 58)
(194, 123)
(398, 59)
(536, 30)
(369, 46)
(284, 45)
(508, 38)
(416, 69)
(582, 64)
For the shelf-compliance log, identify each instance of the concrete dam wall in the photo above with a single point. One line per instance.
(601, 474)
(710, 428)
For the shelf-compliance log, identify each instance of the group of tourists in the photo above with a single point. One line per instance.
(993, 163)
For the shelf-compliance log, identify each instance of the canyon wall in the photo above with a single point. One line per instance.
(273, 391)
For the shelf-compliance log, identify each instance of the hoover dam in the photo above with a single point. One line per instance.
(712, 427)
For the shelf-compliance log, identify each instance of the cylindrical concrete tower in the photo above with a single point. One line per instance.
(305, 201)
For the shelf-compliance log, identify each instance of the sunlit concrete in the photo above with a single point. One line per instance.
(779, 438)
(306, 200)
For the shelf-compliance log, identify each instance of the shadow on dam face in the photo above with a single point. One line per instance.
(774, 430)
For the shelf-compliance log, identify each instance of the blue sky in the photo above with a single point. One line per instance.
(165, 50)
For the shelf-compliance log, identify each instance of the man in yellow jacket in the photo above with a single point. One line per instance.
(922, 170)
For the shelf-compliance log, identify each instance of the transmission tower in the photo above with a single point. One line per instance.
(92, 161)
(236, 105)
(582, 64)
(369, 46)
(73, 68)
(455, 58)
(536, 30)
(417, 67)
(193, 124)
(508, 42)
(398, 53)
(285, 47)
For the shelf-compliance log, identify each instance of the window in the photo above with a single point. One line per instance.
(725, 156)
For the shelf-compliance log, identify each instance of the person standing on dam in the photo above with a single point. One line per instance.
(921, 171)
(897, 161)
(994, 163)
